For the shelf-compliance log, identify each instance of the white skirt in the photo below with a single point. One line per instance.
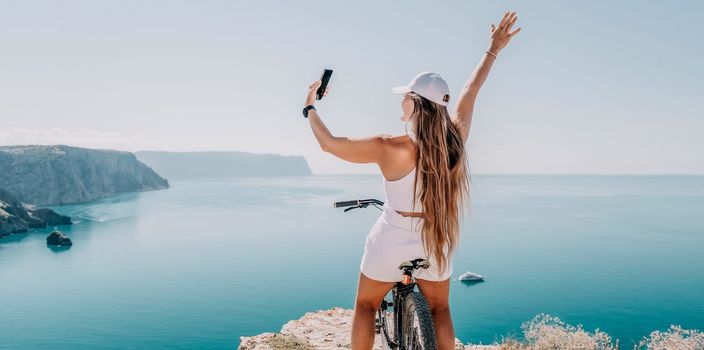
(393, 239)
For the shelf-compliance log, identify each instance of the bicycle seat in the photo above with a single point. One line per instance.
(414, 264)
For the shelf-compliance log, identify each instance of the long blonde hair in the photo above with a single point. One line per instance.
(443, 174)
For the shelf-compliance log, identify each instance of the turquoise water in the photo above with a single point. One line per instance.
(203, 263)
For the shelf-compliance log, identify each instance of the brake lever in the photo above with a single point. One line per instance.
(350, 208)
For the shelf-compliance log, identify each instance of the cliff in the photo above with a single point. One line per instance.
(55, 175)
(16, 217)
(201, 165)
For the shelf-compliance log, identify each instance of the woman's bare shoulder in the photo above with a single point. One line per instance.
(401, 156)
(397, 140)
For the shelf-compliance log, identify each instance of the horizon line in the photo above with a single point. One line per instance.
(542, 174)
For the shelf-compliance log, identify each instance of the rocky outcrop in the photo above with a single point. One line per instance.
(16, 217)
(55, 175)
(324, 329)
(225, 164)
(10, 224)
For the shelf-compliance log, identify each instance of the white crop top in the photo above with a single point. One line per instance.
(399, 193)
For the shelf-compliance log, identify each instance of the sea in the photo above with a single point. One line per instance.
(204, 262)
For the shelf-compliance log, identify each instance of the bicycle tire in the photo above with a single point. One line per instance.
(418, 330)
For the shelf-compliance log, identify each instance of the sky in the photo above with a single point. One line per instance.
(586, 87)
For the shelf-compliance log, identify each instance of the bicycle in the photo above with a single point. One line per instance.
(410, 325)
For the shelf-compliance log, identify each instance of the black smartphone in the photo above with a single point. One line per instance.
(325, 79)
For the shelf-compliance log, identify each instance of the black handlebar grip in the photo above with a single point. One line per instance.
(346, 204)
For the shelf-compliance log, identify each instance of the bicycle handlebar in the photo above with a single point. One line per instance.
(357, 202)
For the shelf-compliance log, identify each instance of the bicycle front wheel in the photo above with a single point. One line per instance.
(417, 329)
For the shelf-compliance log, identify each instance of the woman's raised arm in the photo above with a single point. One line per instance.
(356, 150)
(498, 39)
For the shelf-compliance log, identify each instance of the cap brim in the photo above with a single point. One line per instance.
(401, 90)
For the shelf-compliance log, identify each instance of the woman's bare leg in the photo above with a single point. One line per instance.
(437, 293)
(370, 293)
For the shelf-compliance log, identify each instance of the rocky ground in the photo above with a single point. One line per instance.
(323, 329)
(330, 329)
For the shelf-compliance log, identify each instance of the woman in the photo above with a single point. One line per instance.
(427, 164)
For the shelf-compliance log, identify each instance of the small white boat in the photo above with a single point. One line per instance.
(471, 276)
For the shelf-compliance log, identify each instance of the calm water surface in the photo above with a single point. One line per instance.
(205, 262)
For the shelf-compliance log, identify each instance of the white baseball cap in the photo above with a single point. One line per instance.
(429, 85)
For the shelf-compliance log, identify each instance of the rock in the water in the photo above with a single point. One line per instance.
(58, 238)
(55, 175)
